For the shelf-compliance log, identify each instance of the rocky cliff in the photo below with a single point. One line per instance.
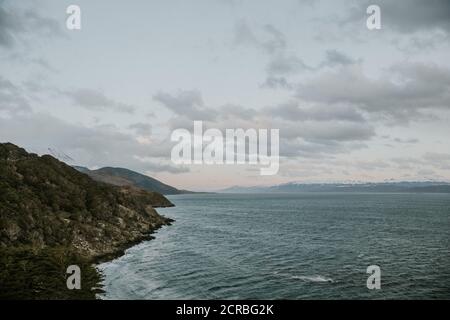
(46, 204)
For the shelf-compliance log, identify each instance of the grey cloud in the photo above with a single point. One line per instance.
(333, 165)
(292, 111)
(313, 150)
(317, 139)
(440, 160)
(437, 156)
(276, 41)
(337, 58)
(290, 64)
(270, 41)
(429, 160)
(426, 172)
(286, 65)
(95, 100)
(406, 141)
(371, 165)
(412, 26)
(16, 23)
(408, 16)
(44, 64)
(180, 122)
(319, 129)
(46, 26)
(276, 82)
(12, 98)
(407, 161)
(283, 63)
(187, 103)
(404, 93)
(232, 111)
(302, 172)
(244, 35)
(8, 26)
(33, 86)
(89, 146)
(420, 42)
(331, 131)
(144, 129)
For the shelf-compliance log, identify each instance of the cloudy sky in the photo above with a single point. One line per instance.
(350, 103)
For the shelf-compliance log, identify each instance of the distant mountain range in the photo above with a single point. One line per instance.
(126, 177)
(417, 186)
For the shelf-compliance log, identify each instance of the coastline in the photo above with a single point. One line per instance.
(120, 251)
(222, 247)
(54, 216)
(45, 269)
(98, 291)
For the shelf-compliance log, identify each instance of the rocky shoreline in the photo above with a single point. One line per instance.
(52, 216)
(120, 251)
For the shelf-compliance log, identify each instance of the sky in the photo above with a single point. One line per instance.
(351, 104)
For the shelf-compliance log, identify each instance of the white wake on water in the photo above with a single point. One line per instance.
(317, 278)
(313, 278)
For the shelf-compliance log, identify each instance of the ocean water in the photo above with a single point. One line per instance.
(291, 246)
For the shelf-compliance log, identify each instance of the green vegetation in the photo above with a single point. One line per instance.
(52, 216)
(30, 273)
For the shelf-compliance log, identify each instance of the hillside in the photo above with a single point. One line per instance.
(126, 177)
(47, 207)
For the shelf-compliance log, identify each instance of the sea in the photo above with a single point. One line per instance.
(291, 246)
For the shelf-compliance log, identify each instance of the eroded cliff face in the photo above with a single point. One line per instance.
(46, 203)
